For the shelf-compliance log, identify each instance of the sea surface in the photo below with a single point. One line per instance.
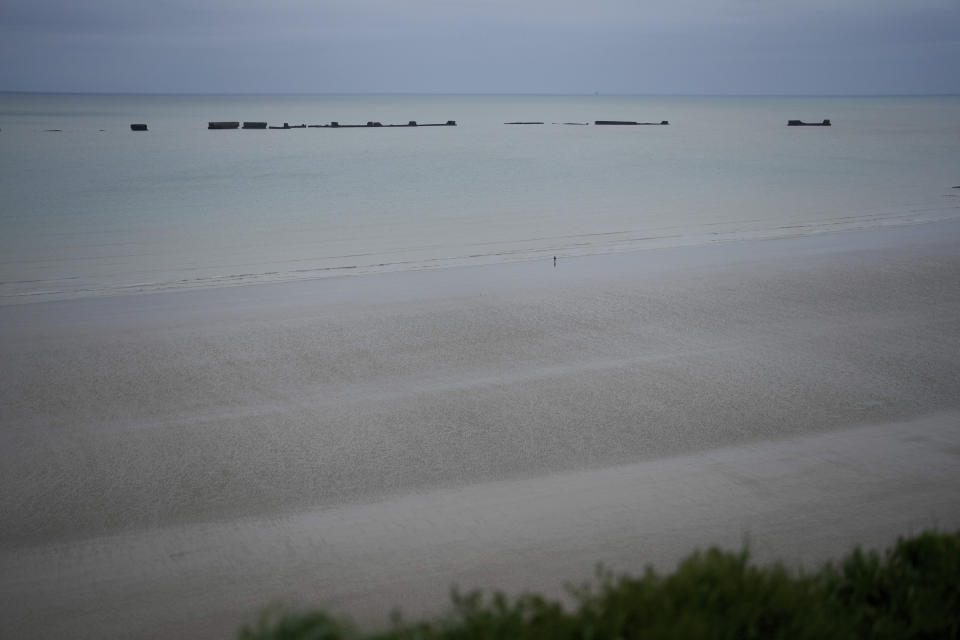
(96, 209)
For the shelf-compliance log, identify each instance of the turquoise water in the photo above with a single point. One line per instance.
(96, 209)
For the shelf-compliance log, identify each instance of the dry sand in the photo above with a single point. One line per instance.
(171, 462)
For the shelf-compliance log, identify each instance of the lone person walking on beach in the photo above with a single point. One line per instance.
(554, 262)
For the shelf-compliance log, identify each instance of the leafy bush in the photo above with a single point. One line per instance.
(912, 591)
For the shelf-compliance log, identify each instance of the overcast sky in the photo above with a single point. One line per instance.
(481, 46)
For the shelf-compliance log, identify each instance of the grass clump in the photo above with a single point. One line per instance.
(276, 624)
(911, 591)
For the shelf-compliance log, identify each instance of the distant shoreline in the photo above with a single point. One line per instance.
(631, 242)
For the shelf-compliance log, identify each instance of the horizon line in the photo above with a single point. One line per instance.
(476, 94)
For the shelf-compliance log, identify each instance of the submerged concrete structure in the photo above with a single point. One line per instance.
(630, 122)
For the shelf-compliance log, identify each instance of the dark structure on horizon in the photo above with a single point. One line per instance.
(411, 123)
(333, 125)
(801, 123)
(630, 122)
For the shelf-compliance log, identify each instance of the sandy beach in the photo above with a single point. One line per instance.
(173, 462)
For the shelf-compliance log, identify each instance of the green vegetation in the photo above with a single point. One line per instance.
(912, 591)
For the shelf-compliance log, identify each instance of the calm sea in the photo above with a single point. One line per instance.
(95, 209)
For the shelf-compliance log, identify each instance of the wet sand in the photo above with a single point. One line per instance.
(171, 462)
